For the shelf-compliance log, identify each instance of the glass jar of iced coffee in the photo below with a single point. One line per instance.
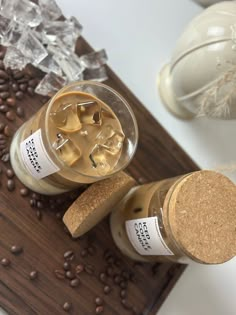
(182, 219)
(85, 133)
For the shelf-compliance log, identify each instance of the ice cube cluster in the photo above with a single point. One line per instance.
(37, 33)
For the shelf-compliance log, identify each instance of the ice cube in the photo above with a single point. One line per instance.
(4, 25)
(94, 59)
(77, 30)
(27, 12)
(7, 8)
(14, 59)
(68, 118)
(114, 144)
(99, 160)
(48, 64)
(50, 84)
(106, 132)
(98, 74)
(66, 150)
(13, 33)
(31, 47)
(50, 10)
(90, 112)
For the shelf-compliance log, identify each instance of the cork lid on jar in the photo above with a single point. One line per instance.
(201, 216)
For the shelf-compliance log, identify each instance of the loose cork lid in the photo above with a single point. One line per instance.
(202, 216)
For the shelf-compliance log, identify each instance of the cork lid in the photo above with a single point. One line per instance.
(202, 217)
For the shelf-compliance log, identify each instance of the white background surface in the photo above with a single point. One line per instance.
(139, 37)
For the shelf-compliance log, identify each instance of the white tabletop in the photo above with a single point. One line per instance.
(139, 37)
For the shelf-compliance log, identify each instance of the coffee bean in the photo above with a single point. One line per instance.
(23, 87)
(16, 249)
(123, 284)
(2, 66)
(4, 87)
(123, 294)
(24, 191)
(74, 283)
(4, 108)
(103, 277)
(2, 146)
(10, 115)
(5, 262)
(33, 82)
(107, 289)
(126, 304)
(78, 269)
(20, 111)
(4, 95)
(92, 250)
(110, 271)
(117, 279)
(84, 252)
(89, 269)
(135, 311)
(59, 215)
(60, 274)
(11, 101)
(69, 255)
(111, 260)
(39, 215)
(2, 126)
(67, 306)
(98, 301)
(6, 157)
(36, 196)
(126, 274)
(32, 202)
(19, 95)
(10, 184)
(15, 87)
(2, 81)
(33, 275)
(23, 80)
(2, 136)
(70, 275)
(10, 173)
(39, 204)
(99, 309)
(18, 75)
(3, 75)
(66, 266)
(8, 131)
(2, 54)
(30, 91)
(3, 141)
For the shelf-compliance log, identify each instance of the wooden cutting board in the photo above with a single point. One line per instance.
(45, 241)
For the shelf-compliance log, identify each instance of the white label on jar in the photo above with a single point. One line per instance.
(35, 157)
(144, 234)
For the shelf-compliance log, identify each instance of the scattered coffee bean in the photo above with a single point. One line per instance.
(74, 282)
(10, 115)
(3, 75)
(60, 274)
(4, 87)
(3, 141)
(2, 136)
(78, 269)
(20, 111)
(84, 252)
(32, 202)
(11, 101)
(30, 91)
(123, 284)
(33, 82)
(107, 289)
(70, 275)
(23, 87)
(111, 260)
(123, 294)
(2, 81)
(126, 304)
(10, 184)
(4, 95)
(69, 255)
(18, 75)
(2, 66)
(6, 157)
(103, 277)
(89, 269)
(135, 311)
(5, 262)
(39, 215)
(110, 271)
(4, 108)
(8, 131)
(59, 215)
(23, 80)
(24, 191)
(16, 249)
(10, 173)
(36, 196)
(125, 274)
(67, 306)
(2, 146)
(99, 309)
(117, 279)
(15, 87)
(19, 95)
(66, 266)
(91, 250)
(2, 126)
(33, 275)
(39, 204)
(98, 301)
